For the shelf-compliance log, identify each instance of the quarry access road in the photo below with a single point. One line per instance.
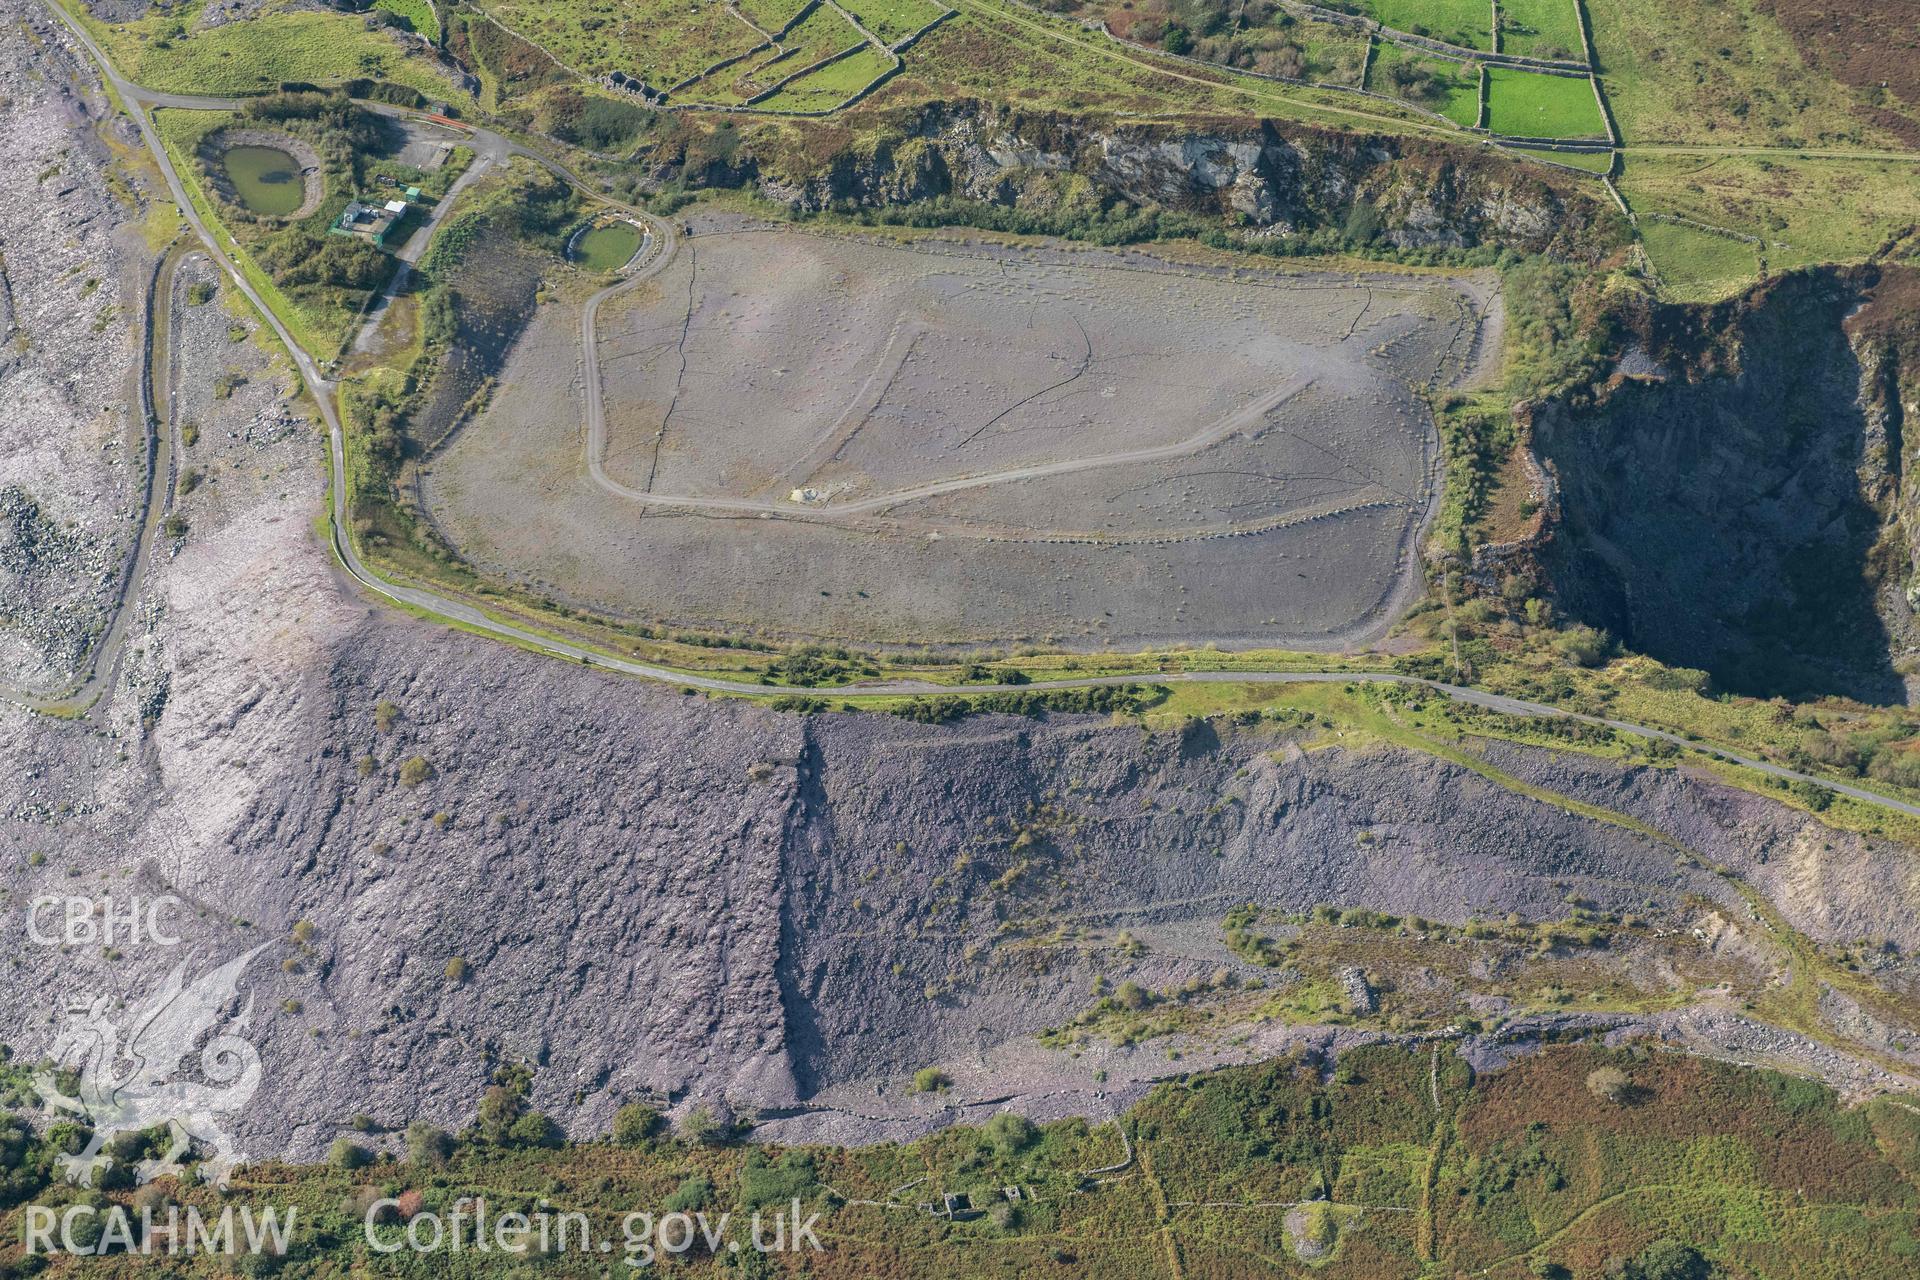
(445, 609)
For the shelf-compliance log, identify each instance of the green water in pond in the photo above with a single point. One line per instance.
(266, 179)
(607, 248)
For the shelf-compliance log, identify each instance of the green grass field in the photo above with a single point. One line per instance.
(1723, 73)
(607, 248)
(1807, 210)
(828, 87)
(1438, 84)
(1540, 29)
(418, 13)
(1592, 161)
(770, 15)
(1467, 23)
(893, 20)
(1529, 104)
(660, 42)
(820, 35)
(1333, 54)
(1695, 265)
(254, 56)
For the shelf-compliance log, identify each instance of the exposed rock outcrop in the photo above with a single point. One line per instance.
(1262, 175)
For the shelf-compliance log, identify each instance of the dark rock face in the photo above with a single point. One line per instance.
(657, 895)
(1262, 175)
(1743, 517)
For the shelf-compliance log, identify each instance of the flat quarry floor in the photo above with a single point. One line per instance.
(946, 442)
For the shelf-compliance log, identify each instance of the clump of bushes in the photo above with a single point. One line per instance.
(504, 1120)
(1127, 699)
(428, 1146)
(635, 1124)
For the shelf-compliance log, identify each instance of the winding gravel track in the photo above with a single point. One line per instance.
(137, 101)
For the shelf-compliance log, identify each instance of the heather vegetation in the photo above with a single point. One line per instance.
(1573, 1162)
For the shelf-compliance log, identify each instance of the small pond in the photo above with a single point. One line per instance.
(607, 248)
(266, 179)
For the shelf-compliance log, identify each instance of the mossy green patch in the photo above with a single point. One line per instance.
(1534, 104)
